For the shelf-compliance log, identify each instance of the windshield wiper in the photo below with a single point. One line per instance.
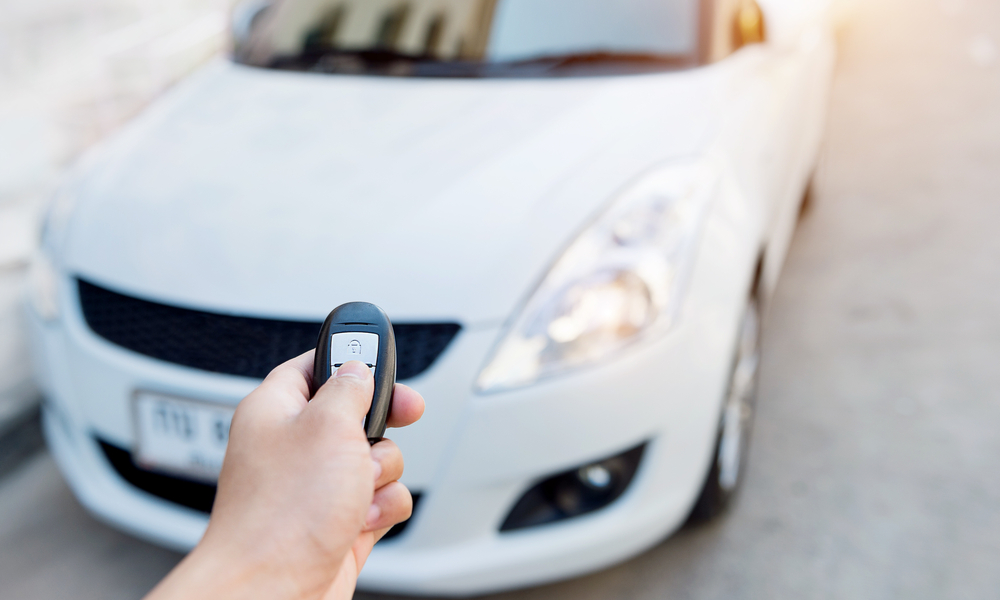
(632, 59)
(377, 55)
(336, 59)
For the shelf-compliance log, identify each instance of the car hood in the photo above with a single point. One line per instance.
(285, 194)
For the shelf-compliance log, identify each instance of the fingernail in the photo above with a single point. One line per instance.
(352, 369)
(374, 512)
(377, 469)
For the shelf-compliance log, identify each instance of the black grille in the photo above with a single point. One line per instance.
(230, 344)
(192, 494)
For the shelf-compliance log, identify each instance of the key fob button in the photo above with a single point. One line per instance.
(361, 346)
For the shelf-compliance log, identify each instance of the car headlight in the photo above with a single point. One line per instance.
(619, 280)
(43, 287)
(56, 221)
(43, 277)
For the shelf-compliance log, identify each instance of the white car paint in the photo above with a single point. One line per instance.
(282, 195)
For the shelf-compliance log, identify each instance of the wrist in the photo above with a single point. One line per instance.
(213, 571)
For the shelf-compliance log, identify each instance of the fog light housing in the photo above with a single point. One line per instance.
(575, 492)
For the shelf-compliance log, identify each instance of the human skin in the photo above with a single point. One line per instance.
(302, 496)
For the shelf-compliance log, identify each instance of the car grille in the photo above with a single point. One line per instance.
(234, 345)
(192, 494)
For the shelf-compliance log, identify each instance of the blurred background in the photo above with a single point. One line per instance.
(873, 468)
(71, 72)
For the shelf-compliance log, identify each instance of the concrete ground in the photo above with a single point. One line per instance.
(873, 472)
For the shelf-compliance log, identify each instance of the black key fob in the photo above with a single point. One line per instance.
(360, 331)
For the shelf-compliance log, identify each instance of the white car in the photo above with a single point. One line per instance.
(573, 211)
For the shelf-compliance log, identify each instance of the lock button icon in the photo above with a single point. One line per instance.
(353, 345)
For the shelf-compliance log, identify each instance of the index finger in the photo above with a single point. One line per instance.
(295, 373)
(286, 386)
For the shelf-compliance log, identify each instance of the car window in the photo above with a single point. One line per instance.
(479, 38)
(528, 28)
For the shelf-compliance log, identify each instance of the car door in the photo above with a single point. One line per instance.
(798, 69)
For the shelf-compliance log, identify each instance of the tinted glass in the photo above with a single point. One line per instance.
(472, 37)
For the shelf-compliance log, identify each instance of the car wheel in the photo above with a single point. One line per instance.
(735, 424)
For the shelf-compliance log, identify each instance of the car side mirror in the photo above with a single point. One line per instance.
(734, 24)
(242, 20)
(748, 26)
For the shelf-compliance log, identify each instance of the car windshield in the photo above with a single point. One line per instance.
(471, 38)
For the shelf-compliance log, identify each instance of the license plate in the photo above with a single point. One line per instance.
(181, 436)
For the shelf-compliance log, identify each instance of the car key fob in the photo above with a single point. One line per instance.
(360, 331)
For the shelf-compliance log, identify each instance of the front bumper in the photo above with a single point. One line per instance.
(472, 457)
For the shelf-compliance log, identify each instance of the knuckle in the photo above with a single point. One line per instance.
(277, 372)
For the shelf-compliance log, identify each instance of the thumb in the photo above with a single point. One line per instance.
(349, 392)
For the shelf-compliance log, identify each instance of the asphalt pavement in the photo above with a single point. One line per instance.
(873, 471)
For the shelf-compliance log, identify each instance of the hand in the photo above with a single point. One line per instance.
(302, 497)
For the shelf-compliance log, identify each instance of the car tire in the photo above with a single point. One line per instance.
(808, 201)
(735, 424)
